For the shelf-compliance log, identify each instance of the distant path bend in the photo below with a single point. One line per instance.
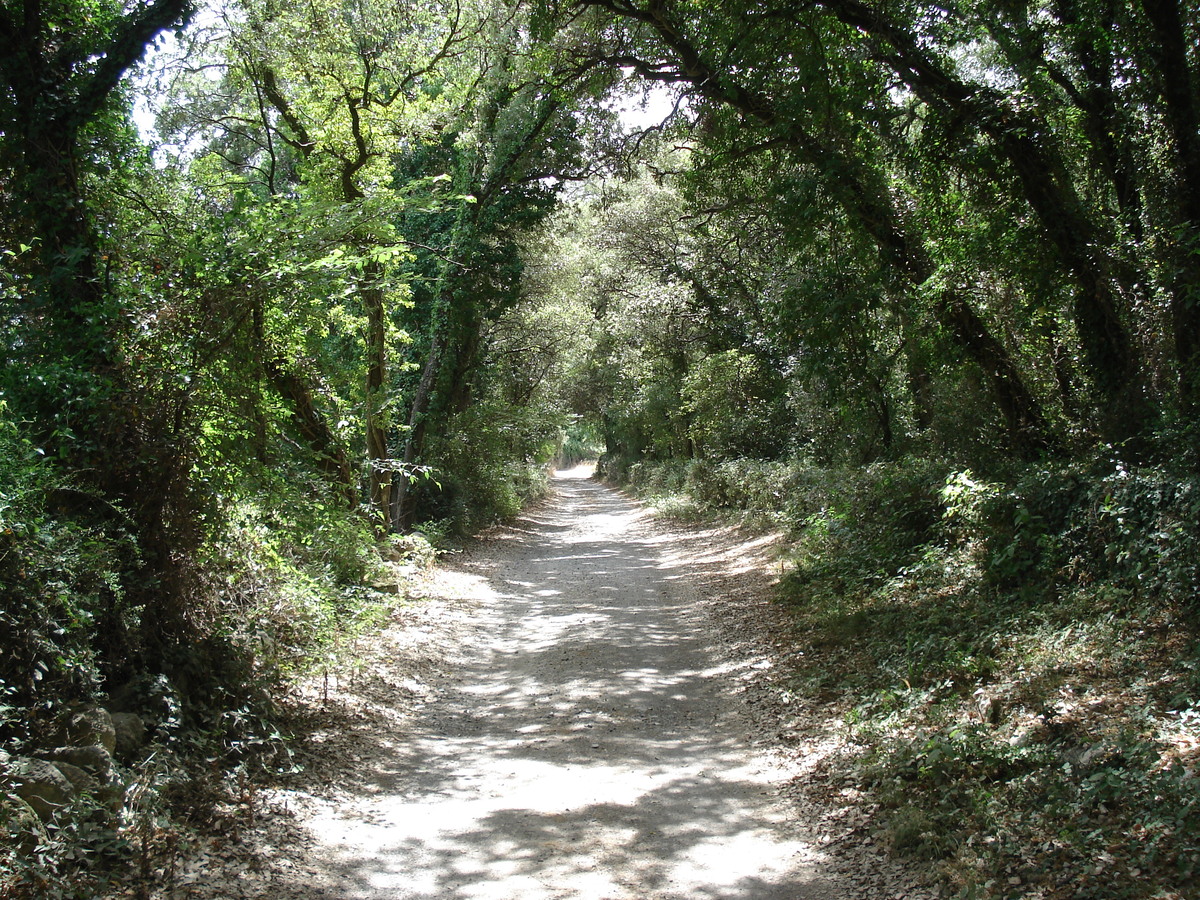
(586, 745)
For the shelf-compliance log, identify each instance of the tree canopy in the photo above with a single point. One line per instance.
(375, 264)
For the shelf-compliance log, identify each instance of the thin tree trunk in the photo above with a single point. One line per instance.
(402, 498)
(313, 428)
(380, 477)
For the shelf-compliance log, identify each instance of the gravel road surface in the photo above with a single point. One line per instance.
(576, 710)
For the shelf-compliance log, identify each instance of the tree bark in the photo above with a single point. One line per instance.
(1178, 86)
(380, 475)
(313, 428)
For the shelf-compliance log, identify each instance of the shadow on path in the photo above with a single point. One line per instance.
(588, 745)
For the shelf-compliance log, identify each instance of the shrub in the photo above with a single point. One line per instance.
(863, 526)
(63, 555)
(490, 462)
(285, 577)
(1134, 526)
(581, 443)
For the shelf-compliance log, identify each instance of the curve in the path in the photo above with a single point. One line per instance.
(588, 746)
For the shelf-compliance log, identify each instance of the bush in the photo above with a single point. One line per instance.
(862, 526)
(490, 463)
(1138, 527)
(657, 479)
(286, 577)
(63, 557)
(581, 443)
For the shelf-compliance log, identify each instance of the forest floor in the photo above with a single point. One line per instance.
(578, 705)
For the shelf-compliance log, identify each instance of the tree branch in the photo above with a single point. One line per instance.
(126, 47)
(300, 140)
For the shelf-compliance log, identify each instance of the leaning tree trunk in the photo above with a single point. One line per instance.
(380, 477)
(866, 203)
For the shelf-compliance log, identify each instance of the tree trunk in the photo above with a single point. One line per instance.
(403, 508)
(380, 475)
(1182, 108)
(313, 428)
(865, 203)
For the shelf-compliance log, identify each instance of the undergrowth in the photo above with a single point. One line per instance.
(289, 584)
(1017, 659)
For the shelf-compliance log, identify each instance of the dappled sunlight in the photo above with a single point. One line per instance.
(588, 746)
(592, 830)
(582, 472)
(700, 549)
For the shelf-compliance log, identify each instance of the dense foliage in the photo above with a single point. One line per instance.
(918, 282)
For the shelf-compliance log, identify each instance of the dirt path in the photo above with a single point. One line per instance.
(562, 719)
